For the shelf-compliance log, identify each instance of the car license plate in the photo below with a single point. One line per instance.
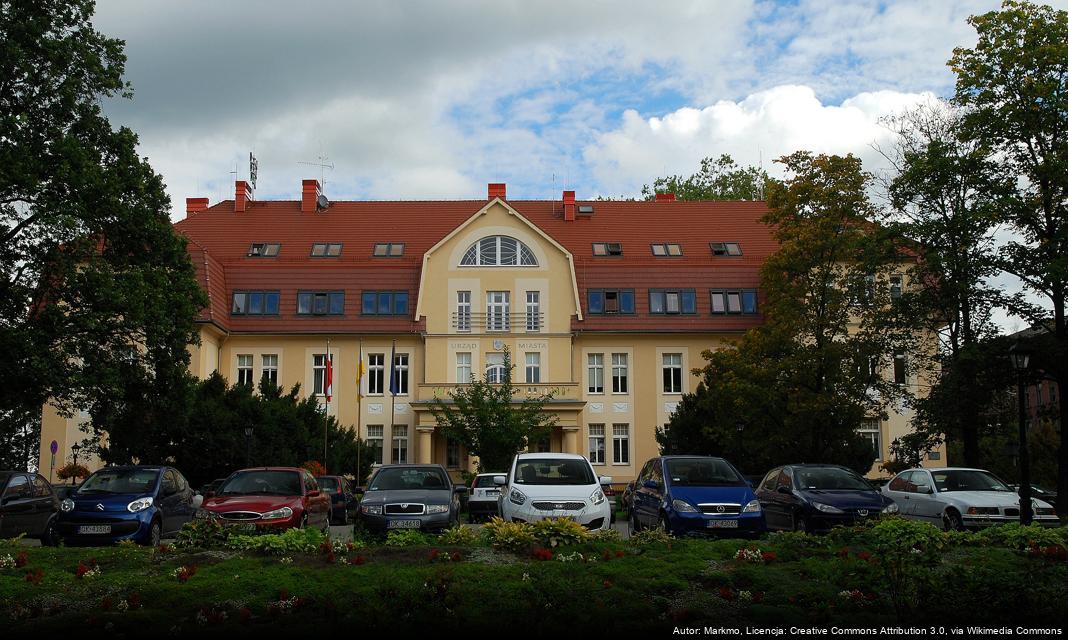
(403, 524)
(94, 529)
(722, 524)
(493, 492)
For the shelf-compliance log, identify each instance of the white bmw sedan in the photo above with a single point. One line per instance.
(958, 498)
(554, 485)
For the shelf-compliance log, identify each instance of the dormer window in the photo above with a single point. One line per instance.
(607, 248)
(498, 251)
(326, 250)
(725, 248)
(263, 250)
(663, 249)
(389, 250)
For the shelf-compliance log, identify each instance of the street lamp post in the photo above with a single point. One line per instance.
(248, 446)
(74, 449)
(1021, 358)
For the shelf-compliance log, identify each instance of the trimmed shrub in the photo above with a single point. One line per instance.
(459, 536)
(557, 532)
(512, 536)
(650, 538)
(291, 541)
(1016, 536)
(407, 538)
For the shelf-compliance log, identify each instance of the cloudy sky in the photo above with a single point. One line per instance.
(413, 99)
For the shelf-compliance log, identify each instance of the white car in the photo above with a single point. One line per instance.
(554, 485)
(482, 505)
(959, 498)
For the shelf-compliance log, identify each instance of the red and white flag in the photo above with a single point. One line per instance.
(328, 387)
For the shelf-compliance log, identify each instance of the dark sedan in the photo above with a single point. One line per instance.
(342, 498)
(818, 497)
(28, 507)
(411, 496)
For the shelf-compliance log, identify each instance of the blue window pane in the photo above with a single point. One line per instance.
(304, 302)
(319, 303)
(749, 301)
(255, 303)
(626, 302)
(595, 301)
(400, 303)
(240, 304)
(337, 303)
(369, 302)
(656, 302)
(689, 301)
(385, 305)
(270, 303)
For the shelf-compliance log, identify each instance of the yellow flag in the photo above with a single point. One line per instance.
(360, 370)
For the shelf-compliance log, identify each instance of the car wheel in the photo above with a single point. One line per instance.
(663, 525)
(800, 524)
(304, 521)
(633, 524)
(50, 538)
(155, 534)
(951, 521)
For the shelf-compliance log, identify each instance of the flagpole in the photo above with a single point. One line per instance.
(393, 394)
(330, 368)
(359, 411)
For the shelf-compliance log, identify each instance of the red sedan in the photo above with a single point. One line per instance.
(276, 497)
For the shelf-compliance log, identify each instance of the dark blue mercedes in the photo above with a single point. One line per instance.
(817, 497)
(140, 503)
(694, 494)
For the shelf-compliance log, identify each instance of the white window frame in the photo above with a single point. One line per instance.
(376, 370)
(595, 373)
(399, 450)
(597, 444)
(401, 362)
(463, 311)
(244, 369)
(620, 374)
(871, 428)
(533, 367)
(668, 364)
(319, 373)
(463, 367)
(497, 368)
(376, 440)
(269, 367)
(497, 310)
(621, 443)
(533, 311)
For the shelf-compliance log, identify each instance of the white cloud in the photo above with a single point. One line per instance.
(759, 128)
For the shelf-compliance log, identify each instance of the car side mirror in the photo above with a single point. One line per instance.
(460, 489)
(605, 480)
(783, 489)
(359, 491)
(313, 493)
(922, 488)
(651, 484)
(500, 481)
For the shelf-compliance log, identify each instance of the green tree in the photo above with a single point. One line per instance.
(797, 388)
(490, 422)
(718, 179)
(945, 195)
(96, 291)
(1013, 85)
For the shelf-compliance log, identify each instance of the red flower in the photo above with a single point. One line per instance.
(35, 576)
(843, 553)
(358, 560)
(865, 556)
(187, 572)
(726, 593)
(769, 556)
(870, 596)
(758, 596)
(106, 603)
(543, 554)
(606, 556)
(607, 584)
(620, 553)
(134, 600)
(81, 570)
(793, 599)
(283, 594)
(21, 560)
(245, 614)
(434, 554)
(457, 556)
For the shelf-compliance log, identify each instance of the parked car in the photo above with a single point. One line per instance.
(818, 497)
(211, 488)
(28, 506)
(1042, 493)
(270, 497)
(411, 496)
(64, 491)
(554, 485)
(482, 505)
(142, 503)
(342, 498)
(694, 494)
(959, 498)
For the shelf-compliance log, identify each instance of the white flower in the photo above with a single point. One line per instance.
(7, 562)
(286, 560)
(123, 605)
(745, 595)
(526, 577)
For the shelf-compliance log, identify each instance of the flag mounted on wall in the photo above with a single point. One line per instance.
(360, 370)
(394, 375)
(328, 384)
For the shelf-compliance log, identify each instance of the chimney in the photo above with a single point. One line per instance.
(498, 190)
(665, 197)
(309, 197)
(569, 206)
(194, 206)
(242, 195)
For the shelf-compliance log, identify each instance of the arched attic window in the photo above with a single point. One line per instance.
(498, 251)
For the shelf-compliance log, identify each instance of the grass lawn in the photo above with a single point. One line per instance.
(613, 585)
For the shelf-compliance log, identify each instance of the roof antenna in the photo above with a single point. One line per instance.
(323, 165)
(552, 195)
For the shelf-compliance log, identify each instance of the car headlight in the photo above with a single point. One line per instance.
(597, 497)
(982, 511)
(437, 508)
(891, 508)
(371, 509)
(1045, 511)
(284, 512)
(826, 508)
(67, 505)
(516, 496)
(139, 505)
(682, 506)
(752, 507)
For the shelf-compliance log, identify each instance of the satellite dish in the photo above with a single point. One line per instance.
(322, 202)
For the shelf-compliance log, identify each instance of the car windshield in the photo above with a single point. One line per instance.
(554, 471)
(968, 480)
(328, 485)
(264, 483)
(484, 482)
(829, 479)
(120, 481)
(703, 472)
(409, 479)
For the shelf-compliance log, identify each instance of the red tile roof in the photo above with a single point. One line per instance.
(220, 239)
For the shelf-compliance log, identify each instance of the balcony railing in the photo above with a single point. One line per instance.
(519, 322)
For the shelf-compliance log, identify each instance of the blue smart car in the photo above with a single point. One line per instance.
(140, 503)
(695, 494)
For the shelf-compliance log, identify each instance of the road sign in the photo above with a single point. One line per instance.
(55, 447)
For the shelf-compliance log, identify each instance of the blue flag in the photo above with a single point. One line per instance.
(394, 378)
